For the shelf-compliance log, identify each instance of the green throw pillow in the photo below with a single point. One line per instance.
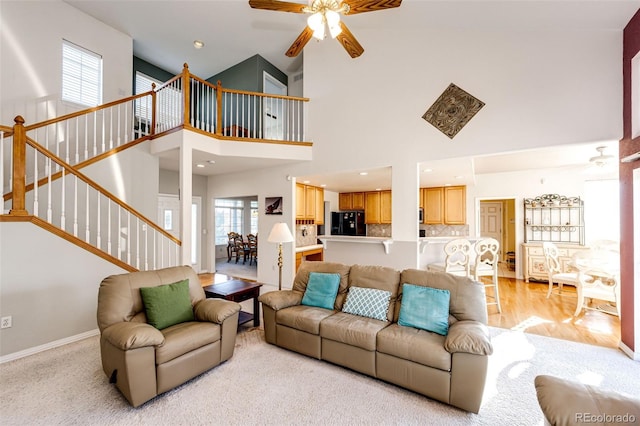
(322, 290)
(425, 308)
(168, 304)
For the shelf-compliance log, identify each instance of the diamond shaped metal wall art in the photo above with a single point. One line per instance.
(452, 110)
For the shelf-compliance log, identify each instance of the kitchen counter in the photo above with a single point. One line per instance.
(386, 242)
(308, 248)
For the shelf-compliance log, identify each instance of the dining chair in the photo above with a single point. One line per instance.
(486, 264)
(457, 258)
(599, 277)
(252, 248)
(554, 269)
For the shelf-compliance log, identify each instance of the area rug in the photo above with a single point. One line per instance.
(266, 385)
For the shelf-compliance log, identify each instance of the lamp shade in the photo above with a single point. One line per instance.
(280, 233)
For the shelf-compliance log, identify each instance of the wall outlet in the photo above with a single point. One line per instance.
(6, 322)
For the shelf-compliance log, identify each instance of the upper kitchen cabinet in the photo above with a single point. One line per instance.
(455, 205)
(351, 201)
(444, 205)
(377, 207)
(309, 203)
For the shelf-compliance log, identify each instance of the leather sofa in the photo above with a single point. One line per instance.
(144, 361)
(451, 368)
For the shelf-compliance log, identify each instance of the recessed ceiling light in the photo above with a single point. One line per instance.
(306, 181)
(363, 173)
(447, 184)
(200, 165)
(378, 189)
(427, 170)
(211, 161)
(198, 44)
(324, 185)
(459, 177)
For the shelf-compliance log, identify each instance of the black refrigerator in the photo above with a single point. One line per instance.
(348, 223)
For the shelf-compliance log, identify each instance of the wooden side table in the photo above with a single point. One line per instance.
(238, 290)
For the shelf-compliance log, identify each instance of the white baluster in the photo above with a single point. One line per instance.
(77, 120)
(138, 243)
(66, 136)
(86, 136)
(162, 253)
(95, 133)
(111, 128)
(119, 140)
(119, 232)
(155, 259)
(35, 183)
(129, 238)
(75, 206)
(98, 236)
(146, 247)
(49, 200)
(126, 129)
(109, 226)
(87, 232)
(103, 134)
(63, 225)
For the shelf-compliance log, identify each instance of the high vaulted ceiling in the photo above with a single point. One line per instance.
(163, 32)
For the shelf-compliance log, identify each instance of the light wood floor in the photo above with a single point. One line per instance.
(525, 307)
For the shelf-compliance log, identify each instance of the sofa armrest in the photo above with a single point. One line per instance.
(470, 337)
(215, 310)
(281, 299)
(132, 335)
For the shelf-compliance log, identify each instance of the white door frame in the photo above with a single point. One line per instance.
(273, 86)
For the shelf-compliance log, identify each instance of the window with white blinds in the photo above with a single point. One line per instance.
(81, 75)
(168, 98)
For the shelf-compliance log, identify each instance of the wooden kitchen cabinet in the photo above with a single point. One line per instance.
(444, 205)
(319, 219)
(455, 205)
(300, 201)
(534, 265)
(433, 205)
(307, 206)
(377, 207)
(351, 201)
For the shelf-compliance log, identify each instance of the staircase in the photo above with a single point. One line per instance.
(41, 164)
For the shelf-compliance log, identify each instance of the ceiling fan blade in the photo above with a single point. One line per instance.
(279, 6)
(349, 42)
(300, 42)
(361, 6)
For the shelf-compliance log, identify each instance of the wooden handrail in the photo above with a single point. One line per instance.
(264, 95)
(69, 169)
(84, 112)
(7, 131)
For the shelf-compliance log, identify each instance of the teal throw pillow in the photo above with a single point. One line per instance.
(425, 308)
(367, 302)
(322, 290)
(168, 304)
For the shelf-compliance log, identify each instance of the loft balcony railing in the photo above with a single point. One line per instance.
(38, 161)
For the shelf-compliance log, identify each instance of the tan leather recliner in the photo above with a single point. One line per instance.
(143, 361)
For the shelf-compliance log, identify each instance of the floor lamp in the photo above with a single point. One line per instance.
(280, 234)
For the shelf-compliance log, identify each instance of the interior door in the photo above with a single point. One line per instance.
(491, 221)
(273, 109)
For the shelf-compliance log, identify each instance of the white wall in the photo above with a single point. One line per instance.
(50, 301)
(31, 56)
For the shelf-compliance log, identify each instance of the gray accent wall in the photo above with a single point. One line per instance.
(247, 75)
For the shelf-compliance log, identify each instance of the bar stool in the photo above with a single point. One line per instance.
(486, 264)
(457, 258)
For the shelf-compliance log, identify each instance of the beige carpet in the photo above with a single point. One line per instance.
(263, 384)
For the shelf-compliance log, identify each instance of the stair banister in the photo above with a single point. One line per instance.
(186, 95)
(19, 168)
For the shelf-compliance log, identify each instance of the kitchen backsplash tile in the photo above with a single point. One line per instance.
(445, 230)
(379, 230)
(306, 235)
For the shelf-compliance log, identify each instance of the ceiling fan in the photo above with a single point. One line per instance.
(325, 14)
(602, 159)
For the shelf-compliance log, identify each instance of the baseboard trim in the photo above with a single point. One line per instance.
(47, 346)
(628, 352)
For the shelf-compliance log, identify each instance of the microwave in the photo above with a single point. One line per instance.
(420, 215)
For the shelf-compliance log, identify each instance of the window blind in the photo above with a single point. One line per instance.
(81, 75)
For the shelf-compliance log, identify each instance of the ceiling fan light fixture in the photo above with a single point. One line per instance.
(602, 159)
(333, 22)
(316, 23)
